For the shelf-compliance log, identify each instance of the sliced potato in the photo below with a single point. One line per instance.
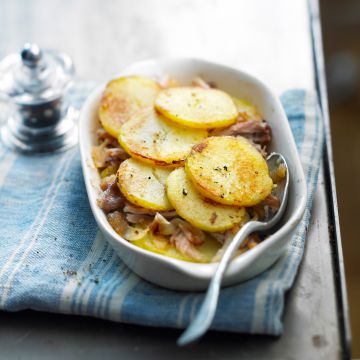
(120, 225)
(229, 170)
(122, 98)
(109, 170)
(246, 110)
(162, 246)
(197, 210)
(197, 107)
(140, 184)
(152, 139)
(161, 174)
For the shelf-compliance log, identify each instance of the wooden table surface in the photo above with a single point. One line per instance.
(270, 39)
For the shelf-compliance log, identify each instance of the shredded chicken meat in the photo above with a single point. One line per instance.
(183, 236)
(200, 82)
(118, 222)
(193, 234)
(272, 201)
(111, 198)
(184, 246)
(226, 238)
(162, 226)
(139, 219)
(104, 156)
(177, 232)
(104, 136)
(259, 132)
(186, 238)
(137, 210)
(109, 152)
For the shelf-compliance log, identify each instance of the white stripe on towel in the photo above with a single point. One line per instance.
(115, 306)
(34, 235)
(82, 301)
(68, 293)
(104, 294)
(38, 217)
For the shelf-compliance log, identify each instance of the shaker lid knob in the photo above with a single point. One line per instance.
(31, 55)
(35, 75)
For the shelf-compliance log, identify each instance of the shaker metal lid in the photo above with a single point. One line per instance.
(35, 76)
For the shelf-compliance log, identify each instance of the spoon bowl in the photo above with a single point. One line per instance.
(205, 316)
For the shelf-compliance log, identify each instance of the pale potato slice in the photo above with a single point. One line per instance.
(246, 110)
(160, 245)
(197, 210)
(161, 174)
(152, 139)
(229, 170)
(140, 184)
(122, 98)
(197, 107)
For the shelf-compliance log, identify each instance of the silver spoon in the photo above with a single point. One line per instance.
(201, 323)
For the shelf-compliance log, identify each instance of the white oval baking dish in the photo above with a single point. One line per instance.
(183, 275)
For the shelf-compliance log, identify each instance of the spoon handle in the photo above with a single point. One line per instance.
(205, 315)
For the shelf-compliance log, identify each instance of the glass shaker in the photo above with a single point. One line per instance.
(34, 84)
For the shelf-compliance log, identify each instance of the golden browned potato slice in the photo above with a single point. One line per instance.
(152, 139)
(197, 210)
(246, 110)
(143, 185)
(122, 98)
(197, 107)
(229, 170)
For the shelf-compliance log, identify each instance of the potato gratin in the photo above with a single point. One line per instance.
(182, 167)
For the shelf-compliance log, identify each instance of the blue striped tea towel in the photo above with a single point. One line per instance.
(54, 258)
